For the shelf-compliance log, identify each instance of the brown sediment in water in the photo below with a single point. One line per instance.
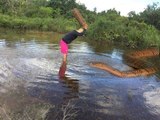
(133, 60)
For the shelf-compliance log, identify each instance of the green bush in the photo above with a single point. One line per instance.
(59, 24)
(41, 12)
(120, 29)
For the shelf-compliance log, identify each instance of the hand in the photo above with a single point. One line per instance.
(80, 30)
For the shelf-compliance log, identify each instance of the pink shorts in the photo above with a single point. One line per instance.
(63, 47)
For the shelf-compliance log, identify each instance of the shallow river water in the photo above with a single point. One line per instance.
(31, 89)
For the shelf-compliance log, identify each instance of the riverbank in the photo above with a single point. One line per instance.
(129, 33)
(59, 24)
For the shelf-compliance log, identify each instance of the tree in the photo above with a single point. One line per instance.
(63, 5)
(95, 9)
(151, 15)
(132, 14)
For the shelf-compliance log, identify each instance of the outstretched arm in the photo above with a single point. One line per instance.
(81, 31)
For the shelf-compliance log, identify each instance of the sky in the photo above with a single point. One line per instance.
(123, 6)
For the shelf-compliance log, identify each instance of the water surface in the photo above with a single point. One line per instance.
(31, 88)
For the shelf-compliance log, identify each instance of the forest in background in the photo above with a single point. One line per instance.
(136, 30)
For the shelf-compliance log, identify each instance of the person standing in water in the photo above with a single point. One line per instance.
(67, 39)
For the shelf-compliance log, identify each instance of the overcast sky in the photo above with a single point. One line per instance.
(124, 6)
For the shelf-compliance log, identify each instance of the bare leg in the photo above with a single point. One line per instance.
(65, 58)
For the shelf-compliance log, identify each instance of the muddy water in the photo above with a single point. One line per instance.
(30, 87)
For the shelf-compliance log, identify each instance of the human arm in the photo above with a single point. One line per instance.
(81, 31)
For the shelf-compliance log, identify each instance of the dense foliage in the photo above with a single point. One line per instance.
(112, 27)
(151, 15)
(55, 15)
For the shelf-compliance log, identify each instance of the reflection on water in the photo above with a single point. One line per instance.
(72, 85)
(68, 82)
(31, 72)
(62, 69)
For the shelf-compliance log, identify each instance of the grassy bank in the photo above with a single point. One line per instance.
(108, 28)
(59, 24)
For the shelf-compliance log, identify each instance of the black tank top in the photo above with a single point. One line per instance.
(69, 37)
